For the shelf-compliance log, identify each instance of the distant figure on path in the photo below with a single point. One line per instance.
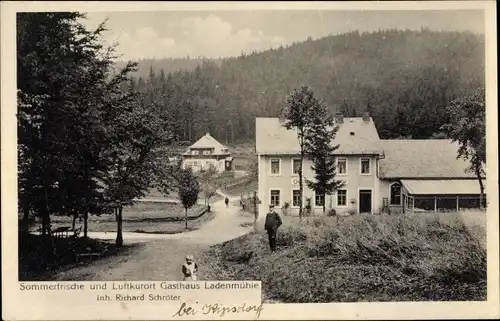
(227, 201)
(190, 269)
(273, 222)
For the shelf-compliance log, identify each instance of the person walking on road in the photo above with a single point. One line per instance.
(226, 201)
(190, 269)
(273, 222)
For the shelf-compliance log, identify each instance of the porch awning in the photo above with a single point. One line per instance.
(439, 187)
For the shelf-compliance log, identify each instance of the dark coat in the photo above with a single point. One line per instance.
(273, 221)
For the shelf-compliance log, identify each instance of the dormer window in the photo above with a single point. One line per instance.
(194, 152)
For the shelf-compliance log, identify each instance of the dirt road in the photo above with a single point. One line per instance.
(160, 256)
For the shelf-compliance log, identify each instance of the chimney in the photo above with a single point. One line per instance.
(339, 117)
(366, 117)
(207, 134)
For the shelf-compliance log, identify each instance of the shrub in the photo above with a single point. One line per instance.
(289, 236)
(308, 207)
(286, 205)
(331, 212)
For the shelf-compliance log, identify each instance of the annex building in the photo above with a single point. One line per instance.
(205, 152)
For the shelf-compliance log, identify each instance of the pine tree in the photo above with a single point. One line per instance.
(320, 150)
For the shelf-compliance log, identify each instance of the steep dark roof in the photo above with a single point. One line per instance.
(207, 141)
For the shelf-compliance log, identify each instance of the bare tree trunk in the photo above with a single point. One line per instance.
(85, 223)
(481, 187)
(74, 214)
(26, 219)
(119, 234)
(44, 229)
(186, 218)
(45, 211)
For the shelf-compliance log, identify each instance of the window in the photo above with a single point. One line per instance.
(206, 152)
(195, 163)
(319, 200)
(396, 194)
(295, 166)
(342, 166)
(295, 198)
(342, 197)
(275, 166)
(365, 166)
(194, 152)
(275, 197)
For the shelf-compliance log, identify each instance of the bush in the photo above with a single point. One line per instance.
(331, 212)
(290, 236)
(308, 207)
(286, 205)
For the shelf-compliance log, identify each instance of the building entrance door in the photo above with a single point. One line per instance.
(365, 201)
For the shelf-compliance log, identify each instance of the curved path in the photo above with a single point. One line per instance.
(160, 256)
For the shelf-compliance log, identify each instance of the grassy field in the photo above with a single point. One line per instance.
(243, 161)
(154, 193)
(174, 195)
(362, 258)
(162, 218)
(246, 187)
(244, 155)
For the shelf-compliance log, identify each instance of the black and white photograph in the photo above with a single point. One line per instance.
(337, 156)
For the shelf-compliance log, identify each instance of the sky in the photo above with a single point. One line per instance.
(215, 34)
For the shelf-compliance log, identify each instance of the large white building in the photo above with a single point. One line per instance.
(205, 152)
(379, 175)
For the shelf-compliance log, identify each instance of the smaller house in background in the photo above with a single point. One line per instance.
(205, 152)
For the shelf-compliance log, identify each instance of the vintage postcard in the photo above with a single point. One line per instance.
(249, 160)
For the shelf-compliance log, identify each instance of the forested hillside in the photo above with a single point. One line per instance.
(168, 65)
(405, 79)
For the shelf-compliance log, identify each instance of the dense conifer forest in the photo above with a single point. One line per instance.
(405, 79)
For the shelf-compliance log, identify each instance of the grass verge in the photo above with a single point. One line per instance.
(147, 217)
(362, 258)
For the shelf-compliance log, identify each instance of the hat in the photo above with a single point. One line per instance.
(271, 205)
(189, 258)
